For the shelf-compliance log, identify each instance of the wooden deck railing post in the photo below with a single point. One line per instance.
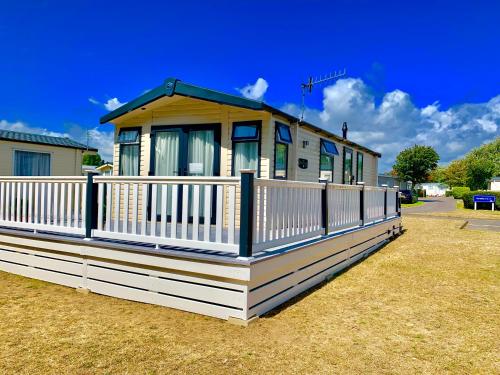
(385, 200)
(362, 203)
(324, 206)
(398, 201)
(246, 212)
(90, 205)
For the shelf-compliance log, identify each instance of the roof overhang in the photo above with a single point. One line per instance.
(172, 87)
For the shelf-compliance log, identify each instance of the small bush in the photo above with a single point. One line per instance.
(458, 192)
(448, 193)
(468, 199)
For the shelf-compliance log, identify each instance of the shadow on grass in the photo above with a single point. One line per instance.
(328, 279)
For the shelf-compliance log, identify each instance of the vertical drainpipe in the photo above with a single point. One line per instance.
(246, 212)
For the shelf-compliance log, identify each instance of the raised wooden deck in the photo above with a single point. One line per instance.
(295, 242)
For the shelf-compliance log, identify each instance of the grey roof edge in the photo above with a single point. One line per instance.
(173, 86)
(75, 145)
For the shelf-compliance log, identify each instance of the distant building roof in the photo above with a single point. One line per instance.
(8, 135)
(495, 178)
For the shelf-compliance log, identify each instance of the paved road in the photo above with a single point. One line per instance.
(484, 224)
(432, 204)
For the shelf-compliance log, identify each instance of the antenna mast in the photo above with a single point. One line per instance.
(307, 87)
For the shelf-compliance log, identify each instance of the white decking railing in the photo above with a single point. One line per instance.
(178, 211)
(44, 203)
(343, 206)
(374, 204)
(227, 214)
(285, 212)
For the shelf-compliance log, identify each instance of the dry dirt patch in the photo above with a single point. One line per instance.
(426, 302)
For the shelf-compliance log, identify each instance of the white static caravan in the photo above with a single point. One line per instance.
(215, 208)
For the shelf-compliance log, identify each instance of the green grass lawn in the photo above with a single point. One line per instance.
(427, 302)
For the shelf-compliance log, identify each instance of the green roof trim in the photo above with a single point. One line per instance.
(13, 136)
(173, 86)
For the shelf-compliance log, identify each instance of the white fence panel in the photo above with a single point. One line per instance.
(189, 212)
(343, 206)
(285, 212)
(392, 194)
(374, 204)
(53, 204)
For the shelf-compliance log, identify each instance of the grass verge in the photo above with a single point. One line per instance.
(406, 205)
(425, 303)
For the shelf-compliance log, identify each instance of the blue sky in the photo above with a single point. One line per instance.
(421, 72)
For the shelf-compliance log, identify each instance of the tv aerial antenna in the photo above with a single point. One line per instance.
(307, 87)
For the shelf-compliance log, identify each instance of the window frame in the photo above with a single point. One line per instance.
(138, 142)
(277, 140)
(346, 151)
(332, 157)
(33, 152)
(358, 154)
(258, 123)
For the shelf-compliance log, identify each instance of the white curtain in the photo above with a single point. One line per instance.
(245, 156)
(166, 163)
(167, 153)
(129, 162)
(31, 163)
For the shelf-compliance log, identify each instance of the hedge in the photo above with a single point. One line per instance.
(458, 192)
(469, 200)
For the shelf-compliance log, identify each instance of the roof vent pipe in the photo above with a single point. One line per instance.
(344, 130)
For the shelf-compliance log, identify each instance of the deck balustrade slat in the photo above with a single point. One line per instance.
(69, 210)
(144, 209)
(76, 219)
(175, 197)
(126, 202)
(196, 211)
(37, 201)
(185, 210)
(164, 214)
(24, 209)
(100, 206)
(207, 213)
(154, 197)
(43, 202)
(84, 205)
(218, 213)
(135, 204)
(109, 206)
(116, 223)
(49, 204)
(18, 203)
(231, 214)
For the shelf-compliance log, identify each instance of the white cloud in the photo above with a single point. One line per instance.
(101, 139)
(113, 104)
(255, 91)
(94, 101)
(397, 123)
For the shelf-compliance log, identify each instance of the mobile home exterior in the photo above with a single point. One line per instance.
(215, 134)
(25, 154)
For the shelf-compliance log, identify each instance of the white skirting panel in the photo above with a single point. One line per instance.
(206, 286)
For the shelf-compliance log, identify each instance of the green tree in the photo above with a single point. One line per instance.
(437, 175)
(92, 159)
(415, 163)
(455, 173)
